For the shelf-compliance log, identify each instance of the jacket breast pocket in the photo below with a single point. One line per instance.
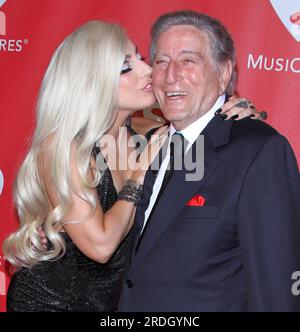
(196, 212)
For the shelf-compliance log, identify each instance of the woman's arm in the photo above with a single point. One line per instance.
(95, 233)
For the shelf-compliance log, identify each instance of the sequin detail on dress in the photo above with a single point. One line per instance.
(74, 282)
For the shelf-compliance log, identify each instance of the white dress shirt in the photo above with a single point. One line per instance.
(190, 133)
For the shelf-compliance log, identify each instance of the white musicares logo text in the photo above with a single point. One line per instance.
(289, 13)
(8, 45)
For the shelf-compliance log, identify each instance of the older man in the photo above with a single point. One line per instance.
(231, 240)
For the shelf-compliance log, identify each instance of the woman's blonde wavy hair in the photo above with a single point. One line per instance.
(78, 102)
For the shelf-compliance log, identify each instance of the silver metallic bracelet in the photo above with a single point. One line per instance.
(131, 192)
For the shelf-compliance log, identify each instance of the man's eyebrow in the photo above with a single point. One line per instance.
(190, 52)
(180, 53)
(160, 54)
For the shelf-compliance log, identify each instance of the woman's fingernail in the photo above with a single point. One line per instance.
(234, 117)
(252, 116)
(218, 111)
(223, 116)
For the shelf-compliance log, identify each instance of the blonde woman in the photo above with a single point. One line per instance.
(95, 80)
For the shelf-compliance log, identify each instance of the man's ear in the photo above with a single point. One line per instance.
(225, 74)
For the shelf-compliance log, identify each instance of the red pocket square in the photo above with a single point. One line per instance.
(197, 200)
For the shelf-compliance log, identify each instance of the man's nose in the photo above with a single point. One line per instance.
(172, 73)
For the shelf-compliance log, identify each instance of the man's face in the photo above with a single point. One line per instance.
(186, 80)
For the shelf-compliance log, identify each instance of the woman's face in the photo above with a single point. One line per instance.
(136, 91)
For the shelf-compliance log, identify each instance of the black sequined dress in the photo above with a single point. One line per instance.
(74, 282)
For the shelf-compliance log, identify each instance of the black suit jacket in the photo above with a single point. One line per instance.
(239, 250)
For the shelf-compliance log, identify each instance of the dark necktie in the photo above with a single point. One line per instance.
(177, 149)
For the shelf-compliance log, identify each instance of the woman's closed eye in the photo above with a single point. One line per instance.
(127, 67)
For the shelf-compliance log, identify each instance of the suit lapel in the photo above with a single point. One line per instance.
(141, 208)
(179, 191)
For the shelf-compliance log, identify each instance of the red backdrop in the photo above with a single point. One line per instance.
(30, 30)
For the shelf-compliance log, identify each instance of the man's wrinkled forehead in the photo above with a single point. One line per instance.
(182, 40)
